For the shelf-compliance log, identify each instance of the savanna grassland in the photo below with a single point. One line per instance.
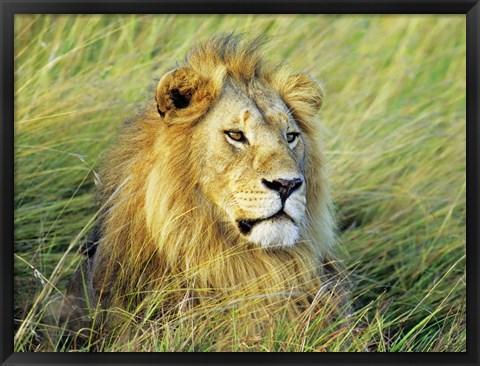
(394, 127)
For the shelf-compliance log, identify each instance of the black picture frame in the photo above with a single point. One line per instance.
(471, 9)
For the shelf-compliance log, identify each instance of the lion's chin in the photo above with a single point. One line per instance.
(275, 233)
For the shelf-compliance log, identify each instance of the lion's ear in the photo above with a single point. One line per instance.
(183, 95)
(302, 93)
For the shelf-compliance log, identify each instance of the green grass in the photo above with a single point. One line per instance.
(394, 126)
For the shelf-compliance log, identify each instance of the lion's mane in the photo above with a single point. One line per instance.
(161, 241)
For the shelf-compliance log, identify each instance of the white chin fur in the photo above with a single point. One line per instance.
(277, 233)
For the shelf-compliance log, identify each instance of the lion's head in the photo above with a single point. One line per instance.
(251, 134)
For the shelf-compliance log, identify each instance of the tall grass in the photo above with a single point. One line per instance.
(394, 126)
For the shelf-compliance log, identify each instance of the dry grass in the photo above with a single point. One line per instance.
(394, 124)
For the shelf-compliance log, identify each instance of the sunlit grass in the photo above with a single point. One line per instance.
(394, 128)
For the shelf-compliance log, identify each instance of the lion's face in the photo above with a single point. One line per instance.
(245, 149)
(251, 161)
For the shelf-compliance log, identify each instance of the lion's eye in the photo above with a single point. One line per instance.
(236, 135)
(292, 136)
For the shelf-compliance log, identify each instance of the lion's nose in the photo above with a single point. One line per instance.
(285, 187)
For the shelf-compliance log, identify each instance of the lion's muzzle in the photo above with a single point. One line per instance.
(272, 216)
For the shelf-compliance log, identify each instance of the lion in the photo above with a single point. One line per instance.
(215, 197)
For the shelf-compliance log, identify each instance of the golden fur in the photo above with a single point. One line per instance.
(165, 240)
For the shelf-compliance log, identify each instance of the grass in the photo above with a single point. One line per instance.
(394, 126)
